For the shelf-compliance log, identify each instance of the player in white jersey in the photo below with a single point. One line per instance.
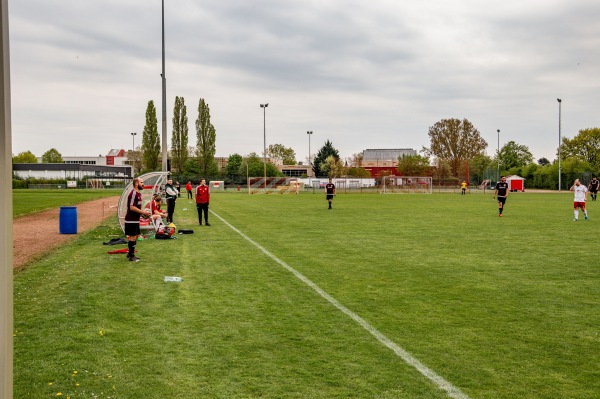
(581, 193)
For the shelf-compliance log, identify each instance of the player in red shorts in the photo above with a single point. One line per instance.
(581, 193)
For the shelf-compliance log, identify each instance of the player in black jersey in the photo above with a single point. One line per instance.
(593, 188)
(501, 192)
(132, 217)
(330, 191)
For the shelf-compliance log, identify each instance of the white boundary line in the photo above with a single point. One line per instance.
(438, 380)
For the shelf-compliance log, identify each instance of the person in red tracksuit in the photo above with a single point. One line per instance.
(202, 200)
(188, 188)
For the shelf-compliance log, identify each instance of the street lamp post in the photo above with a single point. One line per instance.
(264, 107)
(559, 141)
(309, 134)
(133, 136)
(498, 155)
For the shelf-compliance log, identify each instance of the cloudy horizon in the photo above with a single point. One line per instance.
(361, 74)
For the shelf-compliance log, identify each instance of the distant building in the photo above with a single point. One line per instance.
(384, 161)
(112, 166)
(299, 170)
(72, 171)
(115, 157)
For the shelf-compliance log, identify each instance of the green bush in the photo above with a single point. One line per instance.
(19, 183)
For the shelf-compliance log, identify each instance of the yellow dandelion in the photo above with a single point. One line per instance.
(101, 332)
(58, 393)
(74, 371)
(77, 384)
(50, 383)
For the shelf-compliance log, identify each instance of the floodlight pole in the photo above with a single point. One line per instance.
(264, 107)
(164, 96)
(6, 217)
(498, 155)
(309, 134)
(559, 142)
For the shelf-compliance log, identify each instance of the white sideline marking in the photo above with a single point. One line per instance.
(438, 380)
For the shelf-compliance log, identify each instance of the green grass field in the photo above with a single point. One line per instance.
(26, 202)
(498, 307)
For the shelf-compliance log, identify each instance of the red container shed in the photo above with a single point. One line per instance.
(515, 183)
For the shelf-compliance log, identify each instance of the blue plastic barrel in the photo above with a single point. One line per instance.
(68, 220)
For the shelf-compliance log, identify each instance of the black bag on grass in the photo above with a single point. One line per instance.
(162, 236)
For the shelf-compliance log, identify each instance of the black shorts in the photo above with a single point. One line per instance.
(502, 199)
(329, 197)
(132, 229)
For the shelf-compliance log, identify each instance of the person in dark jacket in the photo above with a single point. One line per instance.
(171, 194)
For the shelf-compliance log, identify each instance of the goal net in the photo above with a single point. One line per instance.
(407, 185)
(94, 183)
(281, 185)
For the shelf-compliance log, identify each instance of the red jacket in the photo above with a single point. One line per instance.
(188, 187)
(202, 195)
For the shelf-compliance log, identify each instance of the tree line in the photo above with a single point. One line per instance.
(456, 151)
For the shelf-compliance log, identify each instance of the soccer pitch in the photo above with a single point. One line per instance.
(384, 296)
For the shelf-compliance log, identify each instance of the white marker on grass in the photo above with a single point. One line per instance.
(438, 380)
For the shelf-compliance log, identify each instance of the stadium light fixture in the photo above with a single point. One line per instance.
(264, 107)
(133, 136)
(559, 141)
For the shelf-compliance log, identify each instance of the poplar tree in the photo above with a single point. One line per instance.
(179, 137)
(206, 138)
(151, 140)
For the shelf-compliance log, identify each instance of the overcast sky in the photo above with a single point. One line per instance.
(363, 74)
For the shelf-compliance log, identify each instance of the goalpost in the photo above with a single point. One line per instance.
(94, 184)
(280, 185)
(407, 185)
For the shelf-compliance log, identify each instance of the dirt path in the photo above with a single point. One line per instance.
(37, 234)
